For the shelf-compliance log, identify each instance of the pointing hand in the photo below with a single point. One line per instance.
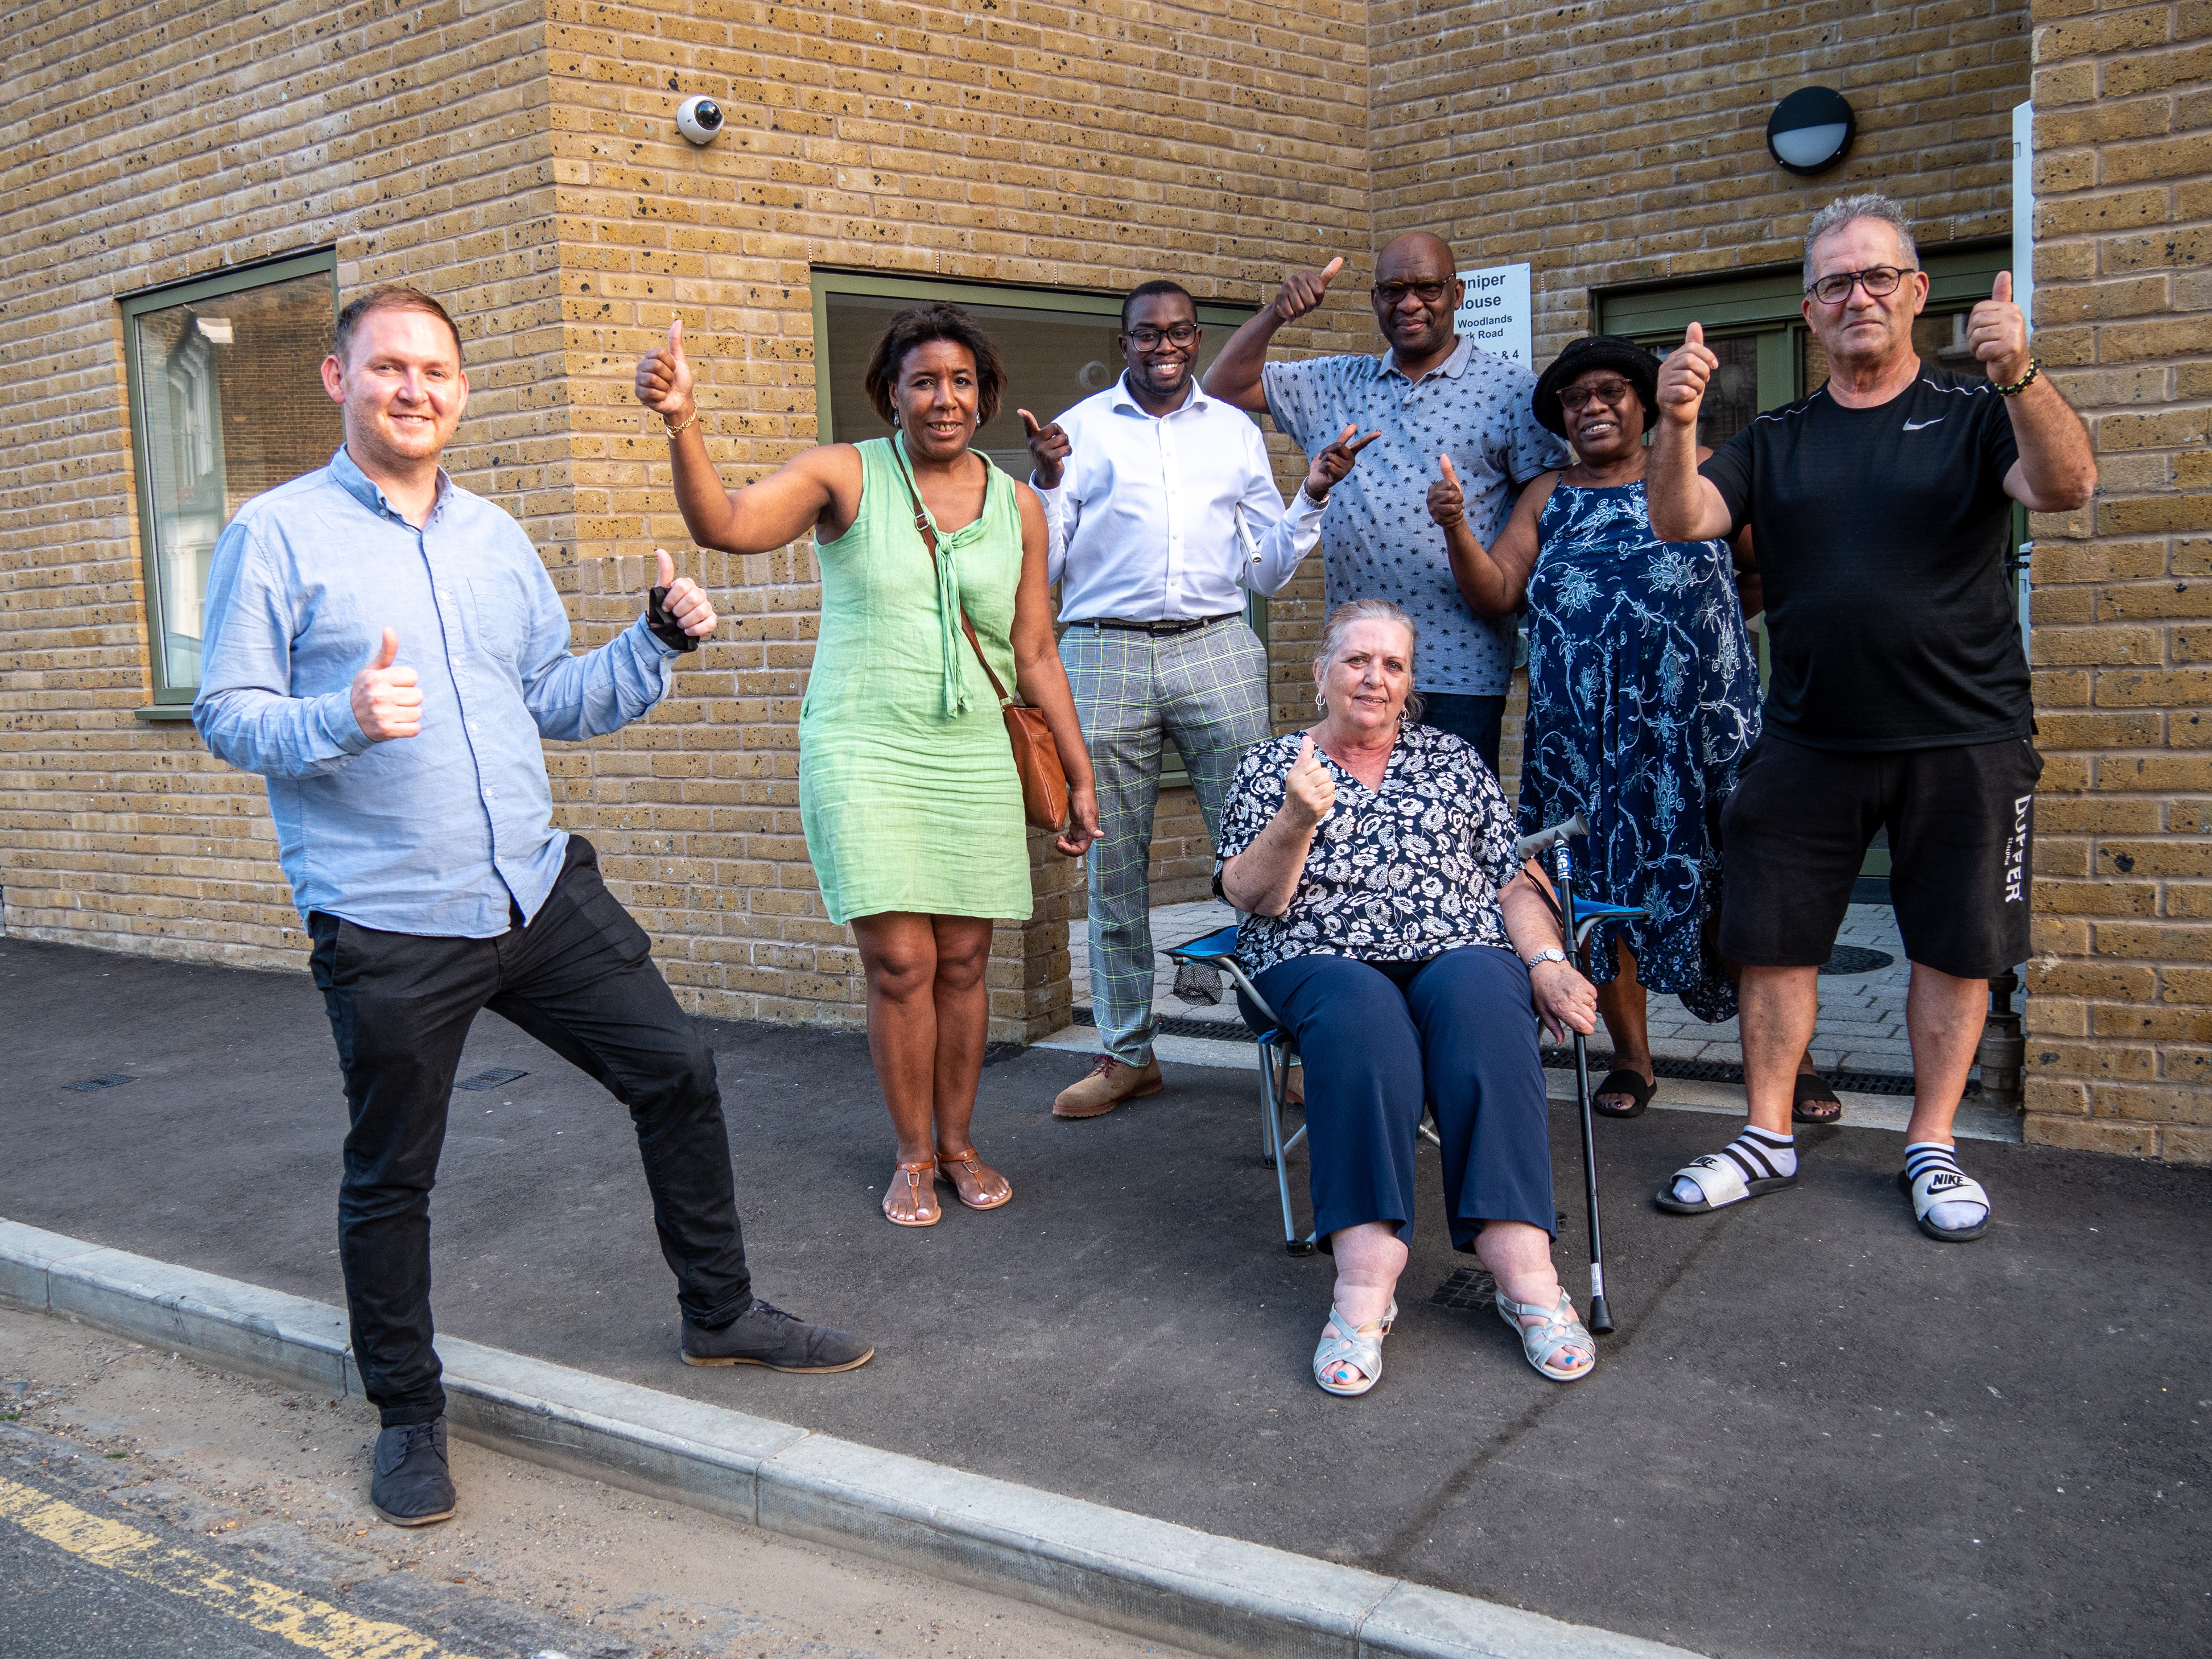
(387, 702)
(1329, 466)
(1683, 376)
(1996, 333)
(1303, 291)
(664, 378)
(1447, 500)
(680, 601)
(1048, 451)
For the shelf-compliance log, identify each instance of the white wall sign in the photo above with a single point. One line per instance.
(1495, 312)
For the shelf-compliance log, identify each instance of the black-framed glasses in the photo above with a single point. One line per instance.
(1611, 393)
(1145, 338)
(1394, 293)
(1879, 281)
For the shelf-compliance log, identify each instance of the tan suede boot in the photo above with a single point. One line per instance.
(1110, 1083)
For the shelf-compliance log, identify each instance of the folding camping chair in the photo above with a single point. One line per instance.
(1278, 1054)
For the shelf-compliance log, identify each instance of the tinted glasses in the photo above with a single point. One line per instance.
(1611, 393)
(1394, 293)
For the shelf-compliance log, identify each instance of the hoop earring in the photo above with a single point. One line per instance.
(1321, 699)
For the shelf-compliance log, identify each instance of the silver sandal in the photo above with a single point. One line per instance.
(1364, 1351)
(1562, 1328)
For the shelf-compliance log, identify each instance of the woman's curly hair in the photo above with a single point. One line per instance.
(919, 325)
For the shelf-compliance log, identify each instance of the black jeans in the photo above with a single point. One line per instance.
(577, 979)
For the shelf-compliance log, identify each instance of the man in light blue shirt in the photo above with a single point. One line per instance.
(387, 650)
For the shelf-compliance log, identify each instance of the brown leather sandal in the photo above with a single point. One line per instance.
(910, 1182)
(975, 1183)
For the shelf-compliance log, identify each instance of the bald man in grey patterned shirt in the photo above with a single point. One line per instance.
(1430, 394)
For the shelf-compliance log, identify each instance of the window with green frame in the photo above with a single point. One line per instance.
(226, 400)
(1755, 326)
(1058, 345)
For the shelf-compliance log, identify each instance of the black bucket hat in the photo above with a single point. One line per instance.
(1638, 365)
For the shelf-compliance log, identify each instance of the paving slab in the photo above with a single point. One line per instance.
(1815, 1433)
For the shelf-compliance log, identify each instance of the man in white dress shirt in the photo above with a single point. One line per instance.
(1163, 514)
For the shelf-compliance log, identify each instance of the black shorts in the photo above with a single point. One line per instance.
(1961, 825)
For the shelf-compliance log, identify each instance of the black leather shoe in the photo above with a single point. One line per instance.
(766, 1335)
(412, 1486)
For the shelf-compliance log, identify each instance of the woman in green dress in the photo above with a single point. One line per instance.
(907, 787)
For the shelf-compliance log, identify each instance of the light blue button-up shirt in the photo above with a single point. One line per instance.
(432, 834)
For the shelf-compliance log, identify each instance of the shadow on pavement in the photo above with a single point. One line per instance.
(1815, 1432)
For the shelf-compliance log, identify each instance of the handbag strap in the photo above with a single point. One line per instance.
(922, 523)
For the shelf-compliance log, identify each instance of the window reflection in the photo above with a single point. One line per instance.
(230, 403)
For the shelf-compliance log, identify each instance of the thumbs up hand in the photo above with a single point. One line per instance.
(1308, 792)
(1447, 497)
(386, 702)
(1305, 290)
(1996, 333)
(1683, 376)
(664, 378)
(679, 614)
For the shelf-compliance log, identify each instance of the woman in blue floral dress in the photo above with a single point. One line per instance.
(1643, 692)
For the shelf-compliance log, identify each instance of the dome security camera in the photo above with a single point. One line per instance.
(699, 118)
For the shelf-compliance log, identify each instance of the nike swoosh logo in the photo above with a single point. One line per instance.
(1916, 426)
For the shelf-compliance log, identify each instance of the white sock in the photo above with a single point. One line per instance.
(1759, 1155)
(1952, 1215)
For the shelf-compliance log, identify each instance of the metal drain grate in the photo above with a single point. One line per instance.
(93, 1085)
(497, 1076)
(1854, 960)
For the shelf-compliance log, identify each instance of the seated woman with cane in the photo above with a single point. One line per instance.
(1387, 924)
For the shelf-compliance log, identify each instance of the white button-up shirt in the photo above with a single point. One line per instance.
(1169, 517)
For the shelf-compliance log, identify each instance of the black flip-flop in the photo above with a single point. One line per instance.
(1811, 1094)
(1622, 1081)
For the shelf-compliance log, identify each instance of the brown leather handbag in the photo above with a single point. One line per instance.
(1036, 756)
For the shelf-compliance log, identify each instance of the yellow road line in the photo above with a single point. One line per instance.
(313, 1625)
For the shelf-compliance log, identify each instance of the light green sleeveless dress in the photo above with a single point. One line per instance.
(907, 787)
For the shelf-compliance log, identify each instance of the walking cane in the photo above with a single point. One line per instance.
(1555, 840)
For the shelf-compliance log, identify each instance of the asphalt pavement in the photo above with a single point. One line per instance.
(1815, 1433)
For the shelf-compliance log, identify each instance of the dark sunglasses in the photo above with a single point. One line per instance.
(1613, 393)
(1394, 293)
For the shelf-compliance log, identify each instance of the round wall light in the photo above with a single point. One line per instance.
(1810, 130)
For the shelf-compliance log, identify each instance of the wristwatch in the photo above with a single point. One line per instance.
(1554, 954)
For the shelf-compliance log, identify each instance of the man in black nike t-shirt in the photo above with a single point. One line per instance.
(1880, 508)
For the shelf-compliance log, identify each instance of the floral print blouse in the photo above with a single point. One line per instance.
(1399, 874)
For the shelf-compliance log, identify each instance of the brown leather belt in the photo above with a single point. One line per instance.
(1153, 627)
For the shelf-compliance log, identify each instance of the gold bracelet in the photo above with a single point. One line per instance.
(675, 431)
(2034, 368)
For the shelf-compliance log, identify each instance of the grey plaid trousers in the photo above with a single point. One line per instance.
(1208, 692)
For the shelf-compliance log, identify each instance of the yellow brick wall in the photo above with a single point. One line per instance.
(2119, 1051)
(1623, 141)
(520, 160)
(147, 143)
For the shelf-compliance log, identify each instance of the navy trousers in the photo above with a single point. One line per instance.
(1382, 1040)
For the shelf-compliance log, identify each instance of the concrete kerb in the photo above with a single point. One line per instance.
(1105, 1566)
